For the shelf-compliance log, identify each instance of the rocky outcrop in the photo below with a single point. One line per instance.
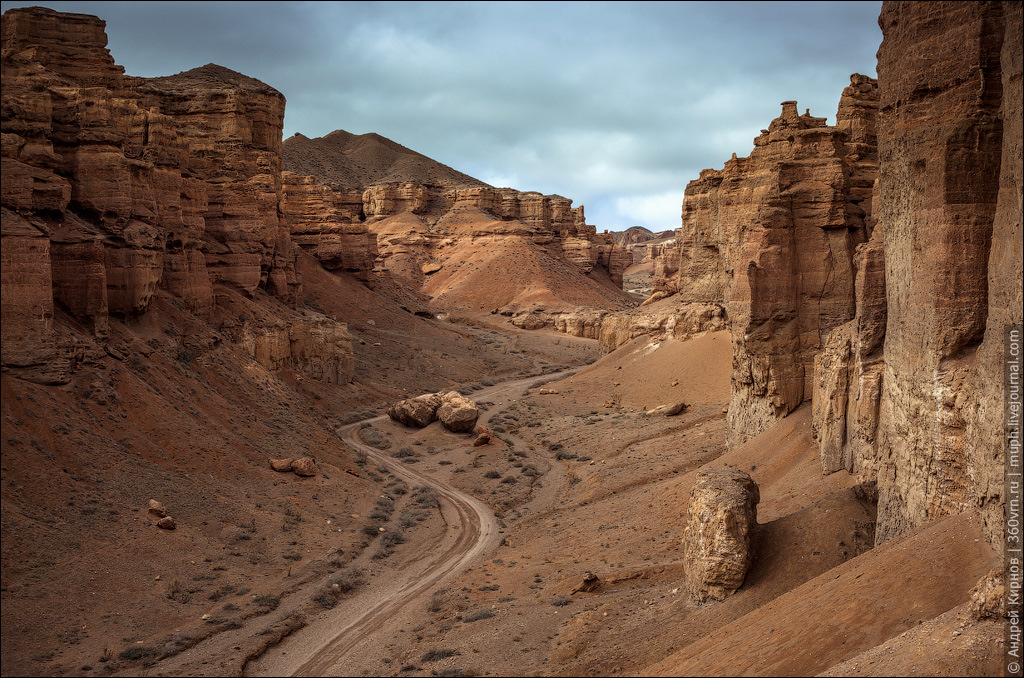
(416, 412)
(305, 467)
(414, 222)
(120, 188)
(664, 319)
(910, 391)
(328, 222)
(27, 288)
(435, 209)
(457, 412)
(312, 345)
(716, 545)
(772, 238)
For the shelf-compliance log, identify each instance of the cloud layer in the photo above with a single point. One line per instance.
(615, 105)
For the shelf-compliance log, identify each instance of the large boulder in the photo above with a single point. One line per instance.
(419, 411)
(304, 466)
(457, 412)
(282, 465)
(722, 514)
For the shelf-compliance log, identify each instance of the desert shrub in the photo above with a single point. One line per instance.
(222, 591)
(508, 480)
(403, 453)
(426, 496)
(562, 455)
(477, 615)
(135, 652)
(561, 601)
(177, 592)
(371, 529)
(374, 438)
(392, 539)
(492, 474)
(267, 603)
(327, 598)
(346, 581)
(436, 654)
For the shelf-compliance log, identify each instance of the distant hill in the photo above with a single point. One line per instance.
(638, 234)
(366, 159)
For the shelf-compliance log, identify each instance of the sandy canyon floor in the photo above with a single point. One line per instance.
(555, 549)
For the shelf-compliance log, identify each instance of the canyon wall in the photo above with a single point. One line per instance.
(767, 246)
(910, 393)
(117, 188)
(419, 210)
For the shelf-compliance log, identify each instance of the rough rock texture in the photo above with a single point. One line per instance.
(950, 205)
(669, 410)
(420, 211)
(116, 189)
(988, 599)
(483, 436)
(670, 318)
(457, 412)
(282, 465)
(419, 411)
(304, 466)
(848, 373)
(716, 545)
(772, 237)
(328, 221)
(311, 344)
(27, 290)
(911, 391)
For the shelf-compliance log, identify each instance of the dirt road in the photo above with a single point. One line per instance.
(471, 531)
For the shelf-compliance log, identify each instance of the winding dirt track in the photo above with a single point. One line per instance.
(471, 531)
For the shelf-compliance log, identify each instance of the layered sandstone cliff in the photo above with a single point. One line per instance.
(118, 188)
(767, 244)
(910, 392)
(424, 215)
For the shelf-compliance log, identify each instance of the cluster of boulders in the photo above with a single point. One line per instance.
(456, 412)
(164, 521)
(303, 466)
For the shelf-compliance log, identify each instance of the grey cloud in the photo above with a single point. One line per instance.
(615, 105)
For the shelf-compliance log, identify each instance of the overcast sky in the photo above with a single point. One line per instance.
(615, 105)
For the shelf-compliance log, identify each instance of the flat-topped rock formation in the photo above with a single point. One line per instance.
(116, 187)
(424, 214)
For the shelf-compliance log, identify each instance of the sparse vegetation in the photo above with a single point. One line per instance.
(135, 653)
(435, 654)
(178, 593)
(477, 615)
(266, 603)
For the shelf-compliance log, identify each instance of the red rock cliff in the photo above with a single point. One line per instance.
(772, 238)
(910, 393)
(115, 187)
